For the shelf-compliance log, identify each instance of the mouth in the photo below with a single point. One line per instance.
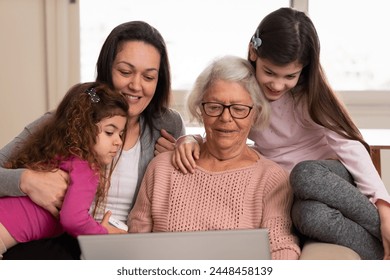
(226, 131)
(131, 97)
(273, 92)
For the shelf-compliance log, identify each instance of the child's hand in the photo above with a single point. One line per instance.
(111, 229)
(187, 150)
(384, 214)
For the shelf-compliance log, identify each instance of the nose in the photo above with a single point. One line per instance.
(277, 85)
(135, 82)
(226, 116)
(118, 141)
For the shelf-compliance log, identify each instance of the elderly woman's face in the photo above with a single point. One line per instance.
(224, 132)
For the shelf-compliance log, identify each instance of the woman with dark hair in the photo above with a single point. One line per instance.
(134, 62)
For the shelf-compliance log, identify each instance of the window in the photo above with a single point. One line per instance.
(195, 31)
(354, 42)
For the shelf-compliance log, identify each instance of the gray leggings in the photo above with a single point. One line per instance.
(329, 208)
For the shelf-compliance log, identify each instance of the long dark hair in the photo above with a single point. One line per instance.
(289, 35)
(138, 31)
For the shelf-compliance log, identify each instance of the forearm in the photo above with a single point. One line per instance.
(384, 211)
(10, 178)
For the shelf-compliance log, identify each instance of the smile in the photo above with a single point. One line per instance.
(132, 97)
(225, 131)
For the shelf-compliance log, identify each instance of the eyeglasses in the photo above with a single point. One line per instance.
(237, 111)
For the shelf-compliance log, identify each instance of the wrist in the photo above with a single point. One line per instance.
(383, 209)
(23, 183)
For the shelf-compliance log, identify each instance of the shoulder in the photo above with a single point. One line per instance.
(171, 121)
(171, 115)
(160, 167)
(271, 169)
(164, 158)
(75, 164)
(39, 122)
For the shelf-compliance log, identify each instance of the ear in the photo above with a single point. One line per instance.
(252, 53)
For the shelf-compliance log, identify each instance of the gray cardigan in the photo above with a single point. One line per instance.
(170, 121)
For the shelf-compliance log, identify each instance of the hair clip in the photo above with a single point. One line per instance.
(256, 41)
(93, 95)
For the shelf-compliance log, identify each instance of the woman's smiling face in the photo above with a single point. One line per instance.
(225, 134)
(135, 74)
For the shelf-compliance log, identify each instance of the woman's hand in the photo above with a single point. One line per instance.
(165, 143)
(187, 151)
(47, 189)
(384, 214)
(111, 229)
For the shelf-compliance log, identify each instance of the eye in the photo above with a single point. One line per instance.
(124, 73)
(291, 77)
(239, 109)
(214, 107)
(149, 78)
(109, 133)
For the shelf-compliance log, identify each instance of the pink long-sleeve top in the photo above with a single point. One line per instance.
(293, 136)
(256, 196)
(26, 221)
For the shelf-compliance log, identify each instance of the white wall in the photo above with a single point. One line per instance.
(39, 59)
(22, 74)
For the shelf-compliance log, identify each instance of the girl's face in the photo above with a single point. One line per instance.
(275, 80)
(109, 139)
(135, 74)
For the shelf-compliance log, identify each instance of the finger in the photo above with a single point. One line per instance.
(188, 155)
(157, 149)
(167, 136)
(163, 145)
(106, 216)
(386, 251)
(196, 153)
(58, 204)
(173, 160)
(64, 175)
(179, 165)
(53, 210)
(185, 160)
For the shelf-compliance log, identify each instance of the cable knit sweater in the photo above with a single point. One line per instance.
(256, 196)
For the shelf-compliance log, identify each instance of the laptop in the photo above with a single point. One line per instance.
(247, 244)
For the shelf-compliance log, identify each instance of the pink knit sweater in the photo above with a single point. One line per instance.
(257, 196)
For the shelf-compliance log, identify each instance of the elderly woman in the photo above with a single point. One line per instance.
(233, 187)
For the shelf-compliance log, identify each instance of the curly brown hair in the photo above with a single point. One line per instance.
(72, 131)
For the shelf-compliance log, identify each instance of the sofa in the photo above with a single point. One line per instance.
(314, 250)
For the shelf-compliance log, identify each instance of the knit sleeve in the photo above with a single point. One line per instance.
(278, 199)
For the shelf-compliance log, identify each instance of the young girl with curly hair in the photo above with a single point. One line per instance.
(82, 137)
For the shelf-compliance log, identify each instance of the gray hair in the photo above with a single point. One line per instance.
(232, 69)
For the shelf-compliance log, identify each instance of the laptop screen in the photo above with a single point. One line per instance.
(249, 244)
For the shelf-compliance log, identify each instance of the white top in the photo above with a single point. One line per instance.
(123, 184)
(293, 136)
